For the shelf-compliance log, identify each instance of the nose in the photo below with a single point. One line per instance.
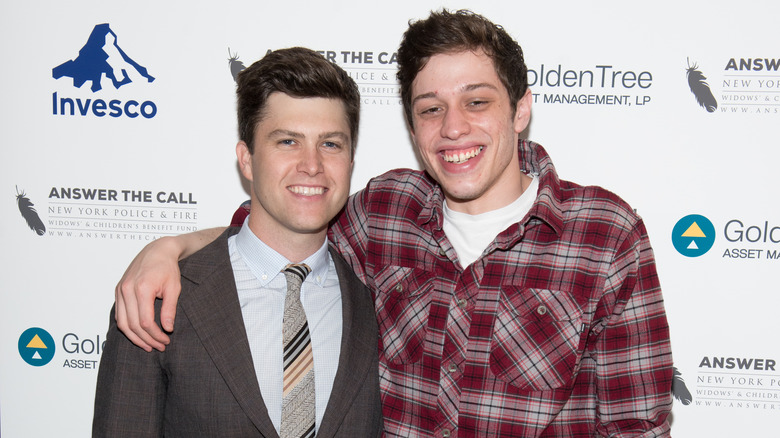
(455, 123)
(310, 161)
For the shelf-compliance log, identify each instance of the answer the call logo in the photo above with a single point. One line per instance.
(693, 235)
(36, 346)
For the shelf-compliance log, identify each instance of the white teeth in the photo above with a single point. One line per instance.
(463, 156)
(307, 191)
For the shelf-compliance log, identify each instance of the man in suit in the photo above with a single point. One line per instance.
(225, 374)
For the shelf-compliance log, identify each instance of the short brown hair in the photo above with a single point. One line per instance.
(296, 72)
(463, 30)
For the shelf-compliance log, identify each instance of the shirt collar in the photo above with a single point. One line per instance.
(266, 264)
(549, 200)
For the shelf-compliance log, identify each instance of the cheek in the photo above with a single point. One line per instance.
(424, 142)
(340, 170)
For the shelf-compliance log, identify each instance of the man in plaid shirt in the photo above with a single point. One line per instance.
(510, 302)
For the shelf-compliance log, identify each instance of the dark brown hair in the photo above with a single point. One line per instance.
(463, 30)
(296, 72)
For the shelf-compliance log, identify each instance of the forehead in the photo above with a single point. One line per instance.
(456, 72)
(305, 114)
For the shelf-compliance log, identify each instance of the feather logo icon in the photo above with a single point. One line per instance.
(27, 209)
(236, 66)
(679, 389)
(699, 87)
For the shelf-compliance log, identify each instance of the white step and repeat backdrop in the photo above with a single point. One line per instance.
(673, 105)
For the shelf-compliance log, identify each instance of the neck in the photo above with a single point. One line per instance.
(295, 247)
(492, 199)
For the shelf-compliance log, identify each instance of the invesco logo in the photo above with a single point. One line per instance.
(36, 346)
(693, 235)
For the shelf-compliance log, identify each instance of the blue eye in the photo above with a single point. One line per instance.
(331, 145)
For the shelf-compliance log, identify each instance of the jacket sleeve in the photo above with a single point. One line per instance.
(131, 389)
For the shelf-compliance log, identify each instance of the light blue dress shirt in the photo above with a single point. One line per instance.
(261, 291)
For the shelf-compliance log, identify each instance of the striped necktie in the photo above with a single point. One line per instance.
(298, 408)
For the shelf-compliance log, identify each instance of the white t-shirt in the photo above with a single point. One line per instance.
(471, 234)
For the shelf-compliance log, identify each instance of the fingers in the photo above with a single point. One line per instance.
(153, 273)
(120, 315)
(168, 309)
(136, 317)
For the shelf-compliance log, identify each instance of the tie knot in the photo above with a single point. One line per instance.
(301, 270)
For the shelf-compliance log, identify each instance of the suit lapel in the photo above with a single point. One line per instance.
(357, 347)
(212, 306)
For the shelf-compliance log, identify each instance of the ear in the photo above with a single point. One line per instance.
(523, 111)
(244, 159)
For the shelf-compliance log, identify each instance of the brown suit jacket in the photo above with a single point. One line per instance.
(204, 383)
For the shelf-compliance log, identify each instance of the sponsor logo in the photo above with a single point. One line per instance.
(599, 85)
(737, 383)
(744, 85)
(97, 213)
(101, 60)
(36, 346)
(373, 72)
(693, 235)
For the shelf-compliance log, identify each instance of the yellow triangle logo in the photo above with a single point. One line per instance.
(36, 342)
(694, 231)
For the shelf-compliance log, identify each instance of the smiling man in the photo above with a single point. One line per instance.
(258, 350)
(510, 302)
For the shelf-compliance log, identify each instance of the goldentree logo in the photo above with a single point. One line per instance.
(36, 346)
(693, 235)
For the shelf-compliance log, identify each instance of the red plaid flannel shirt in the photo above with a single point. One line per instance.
(558, 330)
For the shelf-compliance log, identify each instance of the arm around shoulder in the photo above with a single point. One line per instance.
(154, 273)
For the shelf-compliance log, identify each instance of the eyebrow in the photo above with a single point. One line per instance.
(298, 135)
(332, 134)
(465, 88)
(285, 133)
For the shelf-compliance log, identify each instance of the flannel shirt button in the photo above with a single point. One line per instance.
(445, 433)
(542, 310)
(452, 368)
(462, 303)
(442, 252)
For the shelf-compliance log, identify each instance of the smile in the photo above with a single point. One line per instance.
(461, 157)
(307, 191)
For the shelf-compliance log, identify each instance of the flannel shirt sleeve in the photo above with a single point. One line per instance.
(633, 351)
(349, 232)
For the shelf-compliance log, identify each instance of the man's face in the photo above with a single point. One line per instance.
(300, 169)
(466, 131)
